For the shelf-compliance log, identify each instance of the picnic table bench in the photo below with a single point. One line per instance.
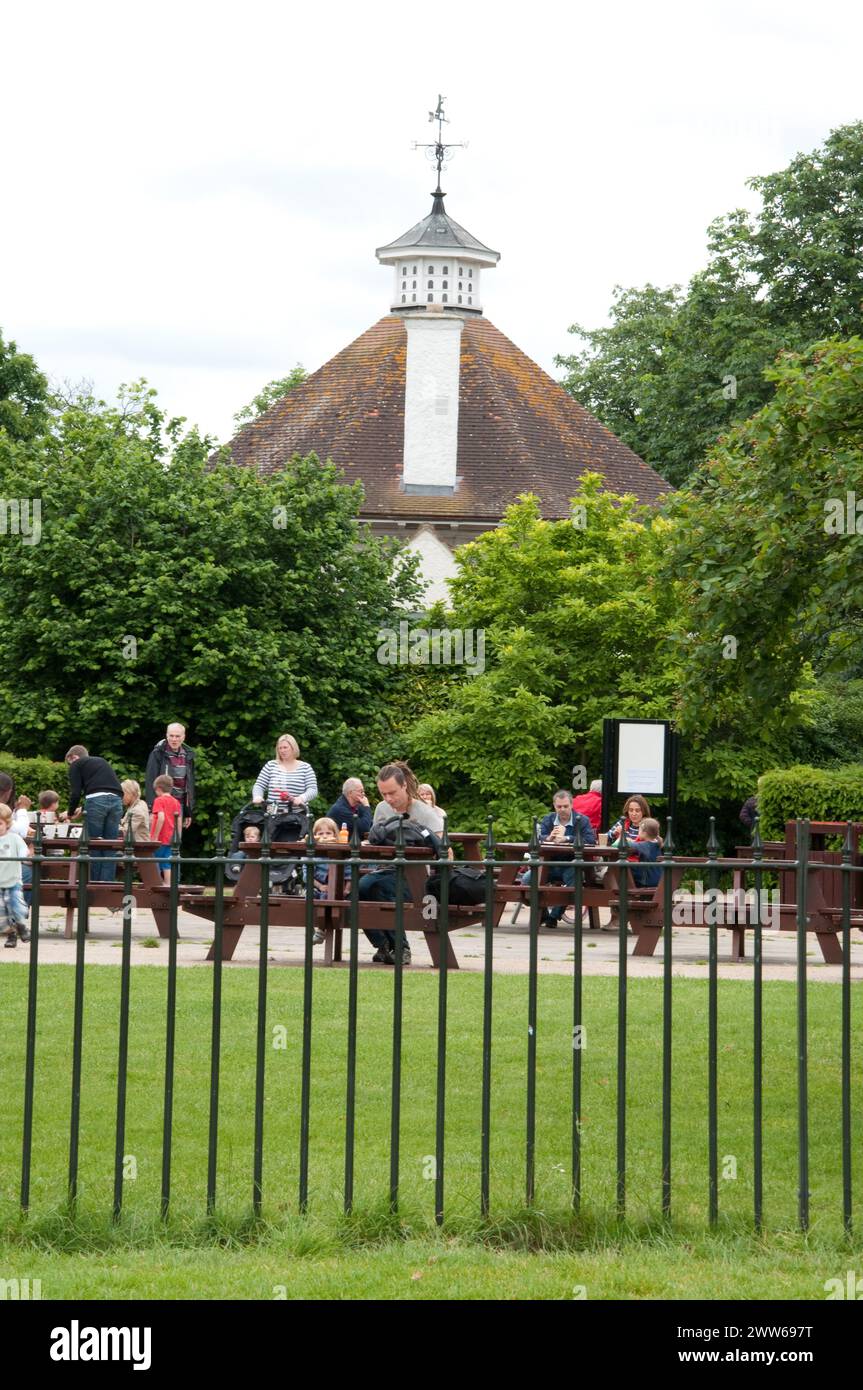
(59, 886)
(644, 905)
(331, 912)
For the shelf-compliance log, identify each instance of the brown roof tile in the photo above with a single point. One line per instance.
(518, 431)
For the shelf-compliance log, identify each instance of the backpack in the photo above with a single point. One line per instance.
(384, 833)
(466, 886)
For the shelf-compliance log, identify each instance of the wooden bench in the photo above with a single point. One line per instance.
(59, 883)
(331, 913)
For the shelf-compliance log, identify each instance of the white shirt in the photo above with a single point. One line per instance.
(12, 847)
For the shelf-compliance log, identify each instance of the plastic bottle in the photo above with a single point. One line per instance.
(343, 833)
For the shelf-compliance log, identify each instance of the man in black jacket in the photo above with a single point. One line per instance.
(173, 758)
(96, 781)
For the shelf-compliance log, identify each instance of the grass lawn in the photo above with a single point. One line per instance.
(545, 1253)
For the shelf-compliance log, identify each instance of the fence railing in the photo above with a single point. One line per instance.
(592, 879)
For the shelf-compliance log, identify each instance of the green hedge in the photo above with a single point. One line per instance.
(35, 775)
(813, 793)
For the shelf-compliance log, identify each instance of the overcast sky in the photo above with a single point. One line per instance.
(194, 192)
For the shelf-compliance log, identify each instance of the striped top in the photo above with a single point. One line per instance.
(301, 783)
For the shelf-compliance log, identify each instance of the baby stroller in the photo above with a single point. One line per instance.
(286, 823)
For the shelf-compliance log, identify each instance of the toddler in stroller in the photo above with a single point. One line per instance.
(288, 821)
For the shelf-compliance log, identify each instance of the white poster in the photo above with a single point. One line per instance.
(641, 758)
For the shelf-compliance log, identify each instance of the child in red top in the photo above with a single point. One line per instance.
(165, 809)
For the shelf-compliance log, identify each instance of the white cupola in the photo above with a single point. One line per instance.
(437, 263)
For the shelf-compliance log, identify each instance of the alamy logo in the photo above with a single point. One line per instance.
(851, 1287)
(77, 1343)
(420, 646)
(715, 908)
(20, 1289)
(21, 516)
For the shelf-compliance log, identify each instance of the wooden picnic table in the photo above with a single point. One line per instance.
(59, 881)
(242, 907)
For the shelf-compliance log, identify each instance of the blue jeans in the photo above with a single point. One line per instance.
(103, 813)
(381, 888)
(13, 912)
(561, 873)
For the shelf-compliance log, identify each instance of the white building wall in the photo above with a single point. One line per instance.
(437, 563)
(431, 399)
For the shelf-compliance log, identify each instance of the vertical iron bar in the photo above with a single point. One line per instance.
(847, 851)
(667, 1016)
(443, 980)
(306, 1085)
(261, 1058)
(758, 1033)
(530, 1145)
(395, 1116)
(713, 1026)
(216, 1029)
(622, 963)
(577, 1020)
(353, 979)
(487, 996)
(170, 1018)
(78, 1017)
(802, 1027)
(30, 1044)
(123, 1058)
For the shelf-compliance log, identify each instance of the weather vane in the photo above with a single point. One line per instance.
(439, 151)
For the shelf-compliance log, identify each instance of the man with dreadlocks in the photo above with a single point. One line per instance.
(398, 788)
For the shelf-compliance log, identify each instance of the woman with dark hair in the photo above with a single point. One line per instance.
(7, 790)
(634, 811)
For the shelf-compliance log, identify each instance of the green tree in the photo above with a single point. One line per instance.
(767, 546)
(674, 370)
(575, 629)
(273, 391)
(24, 394)
(168, 585)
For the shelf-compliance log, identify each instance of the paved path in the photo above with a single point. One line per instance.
(511, 949)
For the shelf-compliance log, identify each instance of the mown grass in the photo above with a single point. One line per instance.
(514, 1252)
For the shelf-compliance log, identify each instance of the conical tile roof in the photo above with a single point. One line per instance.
(518, 430)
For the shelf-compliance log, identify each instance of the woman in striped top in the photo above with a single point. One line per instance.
(285, 773)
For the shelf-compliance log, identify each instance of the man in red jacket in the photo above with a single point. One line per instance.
(590, 803)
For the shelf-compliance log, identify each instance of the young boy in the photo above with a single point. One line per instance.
(13, 912)
(165, 808)
(48, 803)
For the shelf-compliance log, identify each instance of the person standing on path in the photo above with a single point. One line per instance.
(96, 781)
(173, 758)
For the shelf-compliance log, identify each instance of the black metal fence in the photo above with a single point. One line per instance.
(446, 919)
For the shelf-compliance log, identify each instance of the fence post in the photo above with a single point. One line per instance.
(443, 867)
(802, 1023)
(487, 995)
(78, 1018)
(713, 1026)
(32, 994)
(757, 1031)
(667, 922)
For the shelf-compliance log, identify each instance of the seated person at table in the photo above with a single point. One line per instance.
(398, 788)
(590, 803)
(47, 803)
(648, 847)
(628, 823)
(352, 805)
(558, 827)
(136, 811)
(325, 832)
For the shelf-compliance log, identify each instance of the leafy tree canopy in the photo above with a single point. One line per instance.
(675, 369)
(166, 586)
(768, 545)
(24, 394)
(577, 627)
